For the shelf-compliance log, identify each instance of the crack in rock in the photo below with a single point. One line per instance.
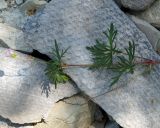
(13, 124)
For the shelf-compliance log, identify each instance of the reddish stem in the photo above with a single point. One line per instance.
(144, 61)
(148, 62)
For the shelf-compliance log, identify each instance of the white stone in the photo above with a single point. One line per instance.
(24, 88)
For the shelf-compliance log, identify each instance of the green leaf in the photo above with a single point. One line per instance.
(103, 53)
(115, 79)
(125, 63)
(54, 69)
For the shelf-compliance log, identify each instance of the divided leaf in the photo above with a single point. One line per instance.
(102, 53)
(125, 64)
(54, 68)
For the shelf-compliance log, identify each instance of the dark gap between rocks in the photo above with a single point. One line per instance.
(107, 117)
(35, 54)
(48, 1)
(3, 44)
(39, 55)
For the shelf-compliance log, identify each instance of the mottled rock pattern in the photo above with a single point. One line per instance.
(12, 38)
(152, 14)
(13, 17)
(136, 4)
(77, 23)
(24, 88)
(74, 112)
(18, 15)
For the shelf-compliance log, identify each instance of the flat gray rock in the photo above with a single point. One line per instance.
(77, 23)
(24, 88)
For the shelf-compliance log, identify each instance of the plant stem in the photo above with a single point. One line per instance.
(144, 62)
(75, 65)
(148, 62)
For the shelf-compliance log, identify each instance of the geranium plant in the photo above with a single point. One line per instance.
(105, 55)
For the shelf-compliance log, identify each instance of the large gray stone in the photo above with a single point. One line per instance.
(152, 14)
(24, 88)
(136, 4)
(77, 23)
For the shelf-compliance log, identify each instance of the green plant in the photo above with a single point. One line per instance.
(54, 68)
(125, 64)
(103, 52)
(105, 55)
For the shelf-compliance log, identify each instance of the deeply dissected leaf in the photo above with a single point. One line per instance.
(102, 53)
(54, 69)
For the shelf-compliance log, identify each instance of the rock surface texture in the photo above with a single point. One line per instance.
(24, 88)
(77, 23)
(13, 17)
(136, 4)
(151, 32)
(74, 112)
(11, 37)
(152, 14)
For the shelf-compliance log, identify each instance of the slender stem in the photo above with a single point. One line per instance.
(148, 62)
(75, 65)
(145, 62)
